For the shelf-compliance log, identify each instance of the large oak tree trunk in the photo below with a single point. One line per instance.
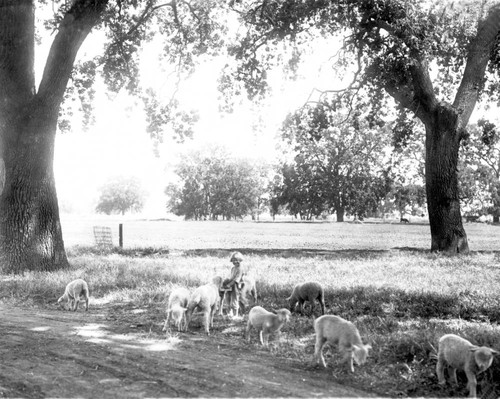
(30, 229)
(442, 148)
(29, 214)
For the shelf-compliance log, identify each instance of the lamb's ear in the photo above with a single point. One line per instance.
(353, 347)
(474, 348)
(368, 346)
(493, 351)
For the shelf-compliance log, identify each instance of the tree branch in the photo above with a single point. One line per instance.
(477, 60)
(74, 28)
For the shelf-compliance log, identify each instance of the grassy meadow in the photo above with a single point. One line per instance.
(380, 276)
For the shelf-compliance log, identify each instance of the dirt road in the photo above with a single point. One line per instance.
(53, 353)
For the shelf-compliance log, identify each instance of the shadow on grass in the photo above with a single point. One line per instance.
(324, 253)
(274, 252)
(289, 252)
(361, 301)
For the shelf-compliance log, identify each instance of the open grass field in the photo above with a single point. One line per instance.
(268, 235)
(380, 276)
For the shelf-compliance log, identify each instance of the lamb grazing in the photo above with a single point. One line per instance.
(266, 322)
(206, 299)
(74, 290)
(455, 352)
(336, 330)
(176, 308)
(309, 291)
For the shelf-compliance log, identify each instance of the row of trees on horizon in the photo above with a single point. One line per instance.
(328, 168)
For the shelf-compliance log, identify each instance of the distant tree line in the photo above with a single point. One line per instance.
(215, 185)
(332, 167)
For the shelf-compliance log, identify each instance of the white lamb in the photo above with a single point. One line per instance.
(206, 299)
(309, 291)
(74, 290)
(457, 353)
(336, 330)
(248, 290)
(266, 322)
(176, 308)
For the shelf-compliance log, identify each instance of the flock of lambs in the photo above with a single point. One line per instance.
(454, 352)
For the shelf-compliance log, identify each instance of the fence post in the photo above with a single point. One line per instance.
(120, 235)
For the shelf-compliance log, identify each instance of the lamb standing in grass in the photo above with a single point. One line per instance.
(266, 322)
(309, 291)
(206, 299)
(336, 330)
(457, 353)
(74, 290)
(176, 308)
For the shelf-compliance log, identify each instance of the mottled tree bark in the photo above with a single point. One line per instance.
(30, 229)
(443, 203)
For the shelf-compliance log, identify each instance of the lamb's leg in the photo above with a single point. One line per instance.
(301, 306)
(265, 337)
(322, 304)
(221, 305)
(247, 331)
(347, 359)
(261, 338)
(452, 372)
(318, 350)
(189, 315)
(472, 383)
(86, 303)
(165, 326)
(212, 312)
(77, 302)
(183, 323)
(440, 372)
(206, 315)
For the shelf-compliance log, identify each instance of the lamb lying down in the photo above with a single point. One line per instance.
(74, 290)
(457, 353)
(308, 291)
(266, 322)
(176, 308)
(336, 330)
(206, 299)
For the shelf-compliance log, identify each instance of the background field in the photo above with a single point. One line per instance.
(380, 276)
(329, 236)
